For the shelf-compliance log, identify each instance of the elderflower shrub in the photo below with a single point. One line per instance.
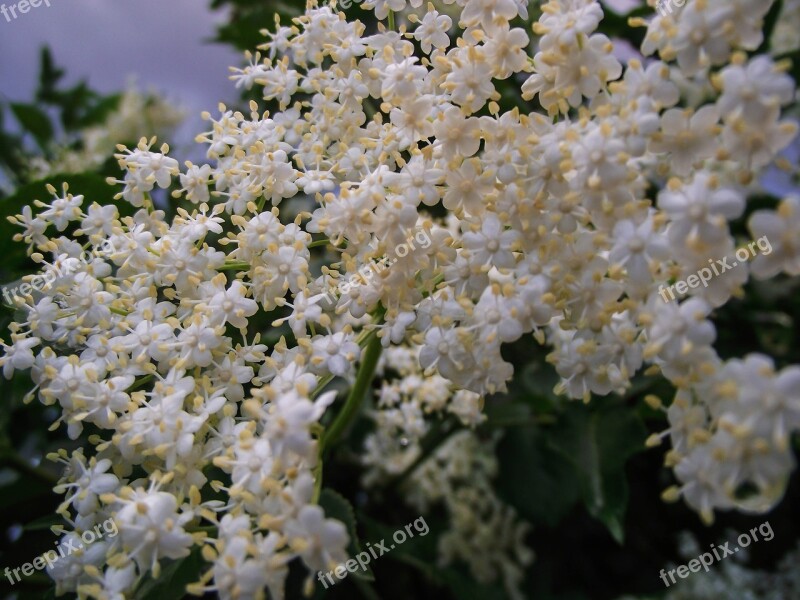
(557, 215)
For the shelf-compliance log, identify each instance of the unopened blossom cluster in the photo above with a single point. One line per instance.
(784, 38)
(565, 214)
(458, 475)
(484, 533)
(138, 113)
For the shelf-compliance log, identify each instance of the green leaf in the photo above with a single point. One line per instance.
(598, 442)
(337, 507)
(97, 114)
(34, 120)
(419, 552)
(247, 19)
(49, 76)
(502, 413)
(538, 379)
(535, 478)
(174, 578)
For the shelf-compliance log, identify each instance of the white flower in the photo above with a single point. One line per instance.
(699, 211)
(401, 80)
(457, 135)
(469, 82)
(252, 463)
(778, 236)
(468, 187)
(99, 220)
(334, 354)
(431, 32)
(85, 483)
(689, 137)
(320, 541)
(195, 182)
(382, 7)
(488, 13)
(196, 342)
(19, 355)
(505, 51)
(151, 527)
(231, 306)
(637, 248)
(549, 219)
(413, 121)
(754, 90)
(490, 246)
(62, 210)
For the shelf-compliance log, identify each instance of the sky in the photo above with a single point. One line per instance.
(162, 43)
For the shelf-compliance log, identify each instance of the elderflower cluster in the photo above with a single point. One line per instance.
(202, 433)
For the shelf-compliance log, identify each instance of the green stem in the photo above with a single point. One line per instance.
(391, 20)
(140, 383)
(234, 266)
(434, 284)
(19, 464)
(321, 385)
(361, 340)
(318, 243)
(357, 393)
(317, 482)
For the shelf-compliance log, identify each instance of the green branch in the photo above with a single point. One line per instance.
(234, 266)
(364, 379)
(318, 243)
(20, 465)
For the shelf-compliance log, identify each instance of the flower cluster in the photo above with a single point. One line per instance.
(137, 114)
(203, 433)
(457, 475)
